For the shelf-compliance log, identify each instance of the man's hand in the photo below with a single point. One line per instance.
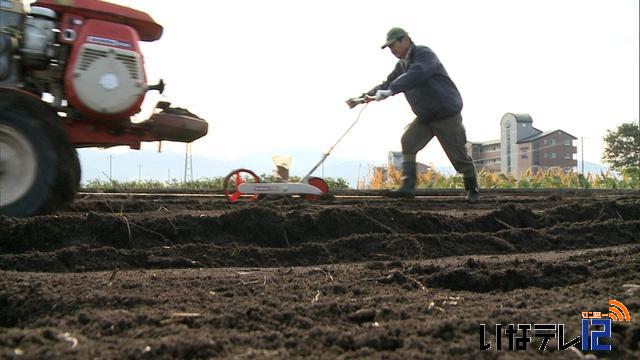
(383, 94)
(363, 99)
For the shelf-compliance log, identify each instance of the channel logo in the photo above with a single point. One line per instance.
(618, 312)
(602, 323)
(595, 326)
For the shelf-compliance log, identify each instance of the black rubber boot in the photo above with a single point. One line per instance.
(471, 185)
(409, 178)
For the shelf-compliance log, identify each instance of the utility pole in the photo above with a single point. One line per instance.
(582, 151)
(139, 173)
(168, 176)
(110, 173)
(188, 164)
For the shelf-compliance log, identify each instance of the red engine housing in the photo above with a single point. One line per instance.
(109, 35)
(144, 24)
(111, 29)
(108, 26)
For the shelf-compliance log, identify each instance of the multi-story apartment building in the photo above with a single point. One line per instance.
(395, 159)
(522, 147)
(486, 155)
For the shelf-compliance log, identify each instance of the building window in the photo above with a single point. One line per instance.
(568, 142)
(545, 155)
(552, 141)
(553, 155)
(568, 156)
(495, 161)
(545, 141)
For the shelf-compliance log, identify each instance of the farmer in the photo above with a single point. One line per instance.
(436, 102)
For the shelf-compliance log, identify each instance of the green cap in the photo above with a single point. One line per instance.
(393, 35)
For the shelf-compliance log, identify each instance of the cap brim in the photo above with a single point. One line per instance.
(388, 43)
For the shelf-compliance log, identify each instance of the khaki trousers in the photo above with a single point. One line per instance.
(451, 135)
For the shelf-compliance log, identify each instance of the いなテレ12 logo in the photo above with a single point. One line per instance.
(595, 326)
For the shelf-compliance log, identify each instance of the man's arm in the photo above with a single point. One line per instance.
(425, 64)
(397, 71)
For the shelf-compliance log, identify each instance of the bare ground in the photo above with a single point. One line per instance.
(120, 276)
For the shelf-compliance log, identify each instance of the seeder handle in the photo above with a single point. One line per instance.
(353, 102)
(365, 100)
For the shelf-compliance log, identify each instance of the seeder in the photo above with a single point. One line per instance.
(245, 184)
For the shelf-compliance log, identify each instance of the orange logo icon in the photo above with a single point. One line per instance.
(618, 312)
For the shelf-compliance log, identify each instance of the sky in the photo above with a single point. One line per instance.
(273, 75)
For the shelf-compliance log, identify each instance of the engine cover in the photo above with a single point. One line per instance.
(105, 77)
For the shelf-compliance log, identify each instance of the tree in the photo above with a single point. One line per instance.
(336, 183)
(622, 146)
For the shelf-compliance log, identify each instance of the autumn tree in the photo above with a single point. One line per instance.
(622, 146)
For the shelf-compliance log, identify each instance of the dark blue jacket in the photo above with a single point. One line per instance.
(426, 85)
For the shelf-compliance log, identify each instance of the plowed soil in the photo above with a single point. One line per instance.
(192, 276)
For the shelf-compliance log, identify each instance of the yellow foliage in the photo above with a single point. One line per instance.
(554, 178)
(377, 180)
(394, 176)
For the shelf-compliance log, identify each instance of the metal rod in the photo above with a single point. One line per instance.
(326, 155)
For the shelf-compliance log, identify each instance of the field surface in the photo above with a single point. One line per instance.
(193, 276)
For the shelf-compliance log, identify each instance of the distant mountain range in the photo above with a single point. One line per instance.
(169, 165)
(590, 167)
(164, 166)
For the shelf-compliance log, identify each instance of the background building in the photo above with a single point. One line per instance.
(395, 160)
(486, 155)
(522, 147)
